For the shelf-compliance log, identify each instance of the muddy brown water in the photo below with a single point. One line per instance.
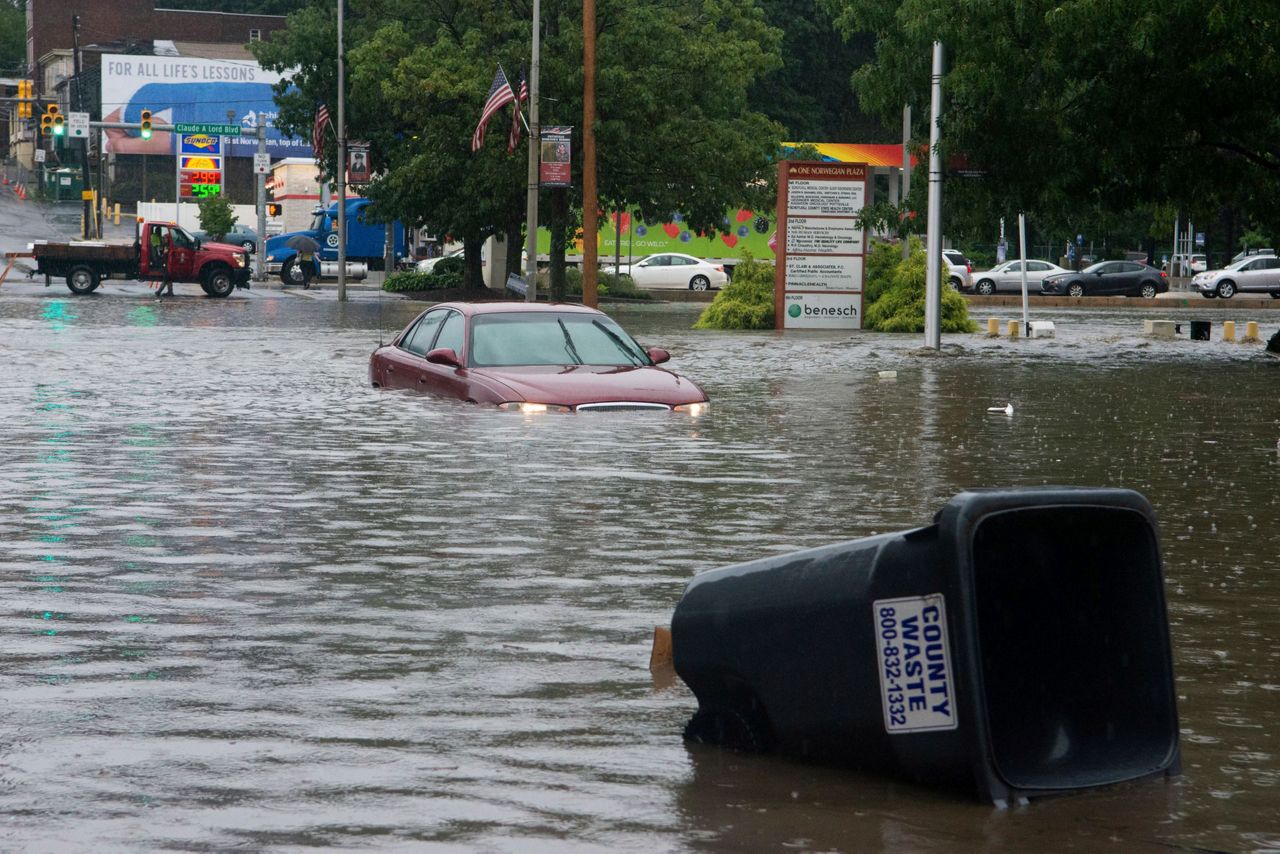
(250, 601)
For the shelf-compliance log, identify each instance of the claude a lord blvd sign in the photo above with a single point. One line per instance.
(821, 247)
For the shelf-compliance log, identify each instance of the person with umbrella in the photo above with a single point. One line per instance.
(304, 262)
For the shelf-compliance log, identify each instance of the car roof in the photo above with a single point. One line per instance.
(497, 307)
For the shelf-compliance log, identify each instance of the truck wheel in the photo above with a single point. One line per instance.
(291, 273)
(218, 283)
(82, 280)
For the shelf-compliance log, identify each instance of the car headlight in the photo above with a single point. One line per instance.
(238, 260)
(695, 409)
(529, 407)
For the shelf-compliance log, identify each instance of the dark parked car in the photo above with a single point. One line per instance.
(531, 358)
(1108, 278)
(245, 238)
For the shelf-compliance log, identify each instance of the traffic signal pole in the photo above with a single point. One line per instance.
(260, 274)
(86, 179)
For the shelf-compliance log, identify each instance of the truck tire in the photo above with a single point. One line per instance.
(82, 279)
(291, 273)
(218, 283)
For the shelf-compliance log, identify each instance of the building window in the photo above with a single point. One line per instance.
(255, 35)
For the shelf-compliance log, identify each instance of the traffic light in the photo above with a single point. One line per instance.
(273, 209)
(56, 118)
(146, 124)
(46, 120)
(25, 93)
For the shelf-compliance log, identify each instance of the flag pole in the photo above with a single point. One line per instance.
(535, 143)
(590, 225)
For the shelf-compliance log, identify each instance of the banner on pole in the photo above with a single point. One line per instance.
(358, 171)
(557, 151)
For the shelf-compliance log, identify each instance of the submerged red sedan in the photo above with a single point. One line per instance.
(533, 358)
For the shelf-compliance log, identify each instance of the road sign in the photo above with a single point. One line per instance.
(1199, 238)
(261, 164)
(212, 129)
(78, 125)
(39, 155)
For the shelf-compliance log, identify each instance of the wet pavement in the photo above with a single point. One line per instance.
(249, 600)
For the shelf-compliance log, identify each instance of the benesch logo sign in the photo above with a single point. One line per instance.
(794, 310)
(825, 310)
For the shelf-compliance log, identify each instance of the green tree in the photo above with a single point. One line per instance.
(13, 40)
(899, 306)
(1083, 106)
(216, 216)
(745, 303)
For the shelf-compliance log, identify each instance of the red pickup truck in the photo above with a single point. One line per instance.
(163, 250)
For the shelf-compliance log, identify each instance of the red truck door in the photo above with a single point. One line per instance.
(182, 255)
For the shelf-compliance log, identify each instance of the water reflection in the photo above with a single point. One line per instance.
(292, 610)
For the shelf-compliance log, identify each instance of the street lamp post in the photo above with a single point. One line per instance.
(342, 162)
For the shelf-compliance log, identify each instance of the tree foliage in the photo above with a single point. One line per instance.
(13, 39)
(899, 306)
(1090, 106)
(675, 131)
(745, 303)
(216, 216)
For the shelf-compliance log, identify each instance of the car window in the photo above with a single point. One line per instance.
(1013, 267)
(181, 238)
(551, 339)
(450, 333)
(1037, 266)
(659, 261)
(420, 337)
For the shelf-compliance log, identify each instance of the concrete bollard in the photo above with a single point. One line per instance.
(993, 328)
(1042, 329)
(1158, 328)
(1251, 333)
(1015, 329)
(1229, 330)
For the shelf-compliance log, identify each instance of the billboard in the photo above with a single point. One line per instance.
(190, 90)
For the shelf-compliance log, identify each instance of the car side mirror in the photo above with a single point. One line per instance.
(658, 355)
(444, 356)
(197, 243)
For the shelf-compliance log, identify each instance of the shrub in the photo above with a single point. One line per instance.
(745, 303)
(607, 284)
(900, 307)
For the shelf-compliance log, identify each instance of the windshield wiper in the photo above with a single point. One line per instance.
(619, 343)
(568, 343)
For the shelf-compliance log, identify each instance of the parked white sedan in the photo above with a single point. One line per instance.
(1007, 277)
(673, 270)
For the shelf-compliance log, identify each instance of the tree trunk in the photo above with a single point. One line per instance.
(515, 243)
(472, 272)
(559, 224)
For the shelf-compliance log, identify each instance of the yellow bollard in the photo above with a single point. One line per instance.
(993, 327)
(1015, 329)
(1251, 332)
(117, 217)
(1228, 330)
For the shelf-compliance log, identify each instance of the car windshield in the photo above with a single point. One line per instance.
(1093, 268)
(551, 339)
(317, 222)
(1236, 265)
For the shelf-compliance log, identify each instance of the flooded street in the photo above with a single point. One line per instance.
(250, 600)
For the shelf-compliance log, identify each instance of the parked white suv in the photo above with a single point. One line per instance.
(960, 272)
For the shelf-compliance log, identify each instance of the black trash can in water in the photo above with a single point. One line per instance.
(1016, 647)
(1200, 330)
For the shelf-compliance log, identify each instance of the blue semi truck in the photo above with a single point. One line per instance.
(366, 245)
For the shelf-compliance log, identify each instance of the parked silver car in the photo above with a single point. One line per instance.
(1007, 277)
(1258, 273)
(959, 271)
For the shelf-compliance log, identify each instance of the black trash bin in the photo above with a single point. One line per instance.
(1200, 330)
(1016, 647)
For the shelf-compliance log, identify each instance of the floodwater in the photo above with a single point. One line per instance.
(250, 601)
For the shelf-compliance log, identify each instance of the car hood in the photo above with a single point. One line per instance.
(571, 385)
(222, 247)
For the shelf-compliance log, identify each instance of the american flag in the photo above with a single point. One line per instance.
(500, 94)
(513, 138)
(317, 131)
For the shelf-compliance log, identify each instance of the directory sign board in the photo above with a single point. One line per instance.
(821, 246)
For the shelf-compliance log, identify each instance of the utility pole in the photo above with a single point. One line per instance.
(933, 278)
(535, 147)
(86, 180)
(590, 226)
(261, 198)
(906, 171)
(342, 161)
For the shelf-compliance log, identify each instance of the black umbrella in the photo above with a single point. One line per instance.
(303, 243)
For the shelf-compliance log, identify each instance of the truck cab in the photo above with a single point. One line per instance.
(366, 243)
(168, 251)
